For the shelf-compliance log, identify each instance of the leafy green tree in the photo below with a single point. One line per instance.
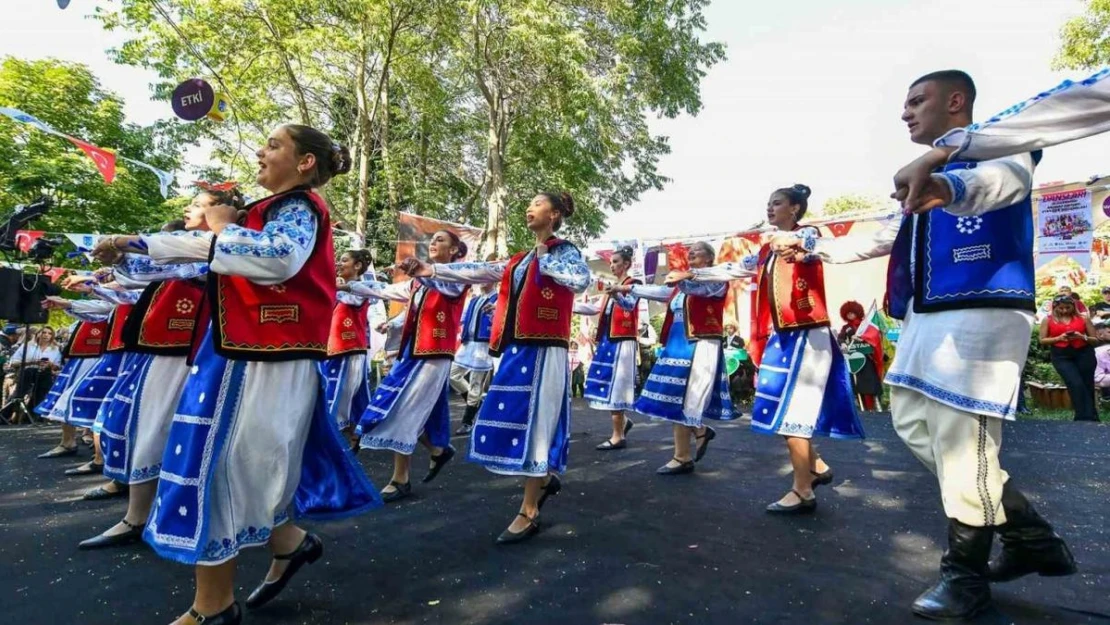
(852, 203)
(1085, 39)
(69, 98)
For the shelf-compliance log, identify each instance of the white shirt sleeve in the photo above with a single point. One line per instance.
(851, 249)
(271, 255)
(469, 273)
(1069, 111)
(655, 293)
(586, 308)
(397, 292)
(178, 247)
(989, 186)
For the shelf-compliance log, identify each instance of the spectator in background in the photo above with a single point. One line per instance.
(1080, 307)
(733, 340)
(577, 372)
(1102, 364)
(1070, 336)
(8, 337)
(647, 340)
(1100, 312)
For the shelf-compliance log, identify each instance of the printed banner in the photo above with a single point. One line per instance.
(83, 242)
(413, 234)
(1064, 227)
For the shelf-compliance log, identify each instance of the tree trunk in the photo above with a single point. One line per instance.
(496, 239)
(387, 165)
(366, 146)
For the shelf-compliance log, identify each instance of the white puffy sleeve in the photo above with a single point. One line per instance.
(397, 292)
(851, 249)
(989, 186)
(469, 273)
(271, 255)
(178, 247)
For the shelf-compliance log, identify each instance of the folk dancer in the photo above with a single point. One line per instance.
(689, 381)
(347, 366)
(410, 405)
(473, 364)
(523, 427)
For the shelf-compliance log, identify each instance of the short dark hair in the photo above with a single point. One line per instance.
(953, 79)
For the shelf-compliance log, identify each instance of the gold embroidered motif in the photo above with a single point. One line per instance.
(279, 313)
(348, 322)
(547, 293)
(801, 284)
(184, 306)
(278, 288)
(439, 333)
(804, 303)
(94, 332)
(441, 316)
(180, 324)
(347, 336)
(547, 314)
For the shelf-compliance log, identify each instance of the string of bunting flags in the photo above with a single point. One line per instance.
(104, 159)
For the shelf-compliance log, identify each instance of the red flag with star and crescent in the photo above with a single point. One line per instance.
(105, 160)
(840, 228)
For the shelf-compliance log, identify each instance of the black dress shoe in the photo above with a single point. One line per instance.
(709, 435)
(684, 467)
(403, 490)
(59, 452)
(962, 590)
(508, 538)
(438, 462)
(550, 489)
(309, 551)
(100, 492)
(628, 425)
(89, 468)
(133, 534)
(608, 445)
(804, 506)
(231, 616)
(823, 478)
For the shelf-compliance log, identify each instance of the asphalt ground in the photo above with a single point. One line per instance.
(620, 545)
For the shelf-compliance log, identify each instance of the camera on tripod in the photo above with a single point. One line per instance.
(21, 293)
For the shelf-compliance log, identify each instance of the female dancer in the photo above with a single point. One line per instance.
(231, 470)
(802, 386)
(689, 381)
(159, 333)
(346, 368)
(473, 364)
(523, 427)
(611, 380)
(1070, 336)
(85, 346)
(410, 404)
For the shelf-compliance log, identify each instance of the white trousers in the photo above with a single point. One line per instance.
(473, 388)
(960, 448)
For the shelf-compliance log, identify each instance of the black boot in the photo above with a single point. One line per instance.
(467, 421)
(962, 590)
(1029, 545)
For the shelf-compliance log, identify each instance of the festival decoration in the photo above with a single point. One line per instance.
(105, 160)
(840, 228)
(24, 239)
(678, 257)
(193, 99)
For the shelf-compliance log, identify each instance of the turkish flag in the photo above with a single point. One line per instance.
(104, 160)
(24, 239)
(55, 273)
(840, 228)
(754, 237)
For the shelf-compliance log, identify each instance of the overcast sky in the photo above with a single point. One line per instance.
(811, 92)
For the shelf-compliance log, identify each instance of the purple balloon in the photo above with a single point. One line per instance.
(192, 99)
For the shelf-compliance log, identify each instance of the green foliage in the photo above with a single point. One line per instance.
(455, 109)
(1085, 39)
(32, 163)
(1038, 365)
(852, 203)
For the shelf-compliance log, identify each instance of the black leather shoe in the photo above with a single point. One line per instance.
(438, 462)
(821, 479)
(509, 538)
(59, 452)
(1029, 544)
(608, 445)
(550, 489)
(89, 468)
(309, 551)
(467, 421)
(804, 506)
(709, 435)
(628, 425)
(133, 534)
(98, 493)
(962, 590)
(685, 466)
(403, 490)
(231, 616)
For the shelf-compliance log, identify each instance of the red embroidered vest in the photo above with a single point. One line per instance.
(789, 296)
(284, 321)
(432, 327)
(623, 324)
(348, 333)
(115, 327)
(704, 317)
(537, 312)
(166, 317)
(88, 340)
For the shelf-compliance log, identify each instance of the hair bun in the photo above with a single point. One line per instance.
(802, 190)
(568, 203)
(463, 249)
(340, 159)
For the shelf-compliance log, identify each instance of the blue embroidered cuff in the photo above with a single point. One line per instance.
(956, 186)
